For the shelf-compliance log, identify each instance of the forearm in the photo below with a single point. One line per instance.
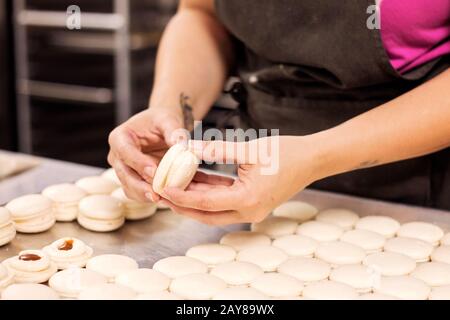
(412, 125)
(194, 58)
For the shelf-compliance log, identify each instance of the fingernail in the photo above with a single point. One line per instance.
(150, 196)
(149, 171)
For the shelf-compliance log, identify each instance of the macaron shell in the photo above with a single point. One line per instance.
(38, 224)
(297, 210)
(237, 293)
(101, 207)
(29, 292)
(197, 286)
(178, 266)
(182, 171)
(275, 227)
(96, 185)
(69, 283)
(240, 240)
(100, 225)
(7, 234)
(63, 193)
(162, 172)
(5, 217)
(107, 291)
(29, 205)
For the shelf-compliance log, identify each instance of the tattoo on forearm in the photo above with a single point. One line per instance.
(368, 164)
(187, 112)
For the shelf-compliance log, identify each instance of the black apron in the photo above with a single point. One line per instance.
(309, 65)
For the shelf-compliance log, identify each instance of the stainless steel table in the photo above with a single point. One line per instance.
(167, 234)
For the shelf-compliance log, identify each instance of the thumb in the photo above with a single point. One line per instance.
(173, 131)
(224, 152)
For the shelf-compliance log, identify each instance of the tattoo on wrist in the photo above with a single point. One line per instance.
(188, 116)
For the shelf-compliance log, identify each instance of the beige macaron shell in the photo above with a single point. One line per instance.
(101, 207)
(414, 248)
(111, 265)
(111, 175)
(5, 217)
(445, 241)
(64, 193)
(162, 172)
(107, 291)
(70, 282)
(390, 264)
(357, 276)
(240, 294)
(329, 290)
(7, 234)
(297, 210)
(96, 185)
(343, 218)
(441, 254)
(99, 225)
(199, 286)
(277, 285)
(212, 253)
(75, 257)
(403, 287)
(434, 274)
(421, 230)
(37, 223)
(29, 291)
(368, 240)
(376, 296)
(305, 269)
(182, 171)
(340, 253)
(134, 210)
(296, 245)
(23, 276)
(6, 277)
(240, 240)
(266, 257)
(162, 295)
(386, 226)
(28, 206)
(144, 281)
(178, 266)
(440, 293)
(237, 273)
(320, 231)
(275, 227)
(31, 266)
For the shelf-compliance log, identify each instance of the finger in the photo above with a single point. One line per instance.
(125, 148)
(172, 130)
(216, 218)
(213, 179)
(133, 185)
(199, 186)
(214, 199)
(225, 152)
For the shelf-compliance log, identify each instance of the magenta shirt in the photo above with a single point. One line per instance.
(415, 31)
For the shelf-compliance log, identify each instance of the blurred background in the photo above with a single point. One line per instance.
(62, 91)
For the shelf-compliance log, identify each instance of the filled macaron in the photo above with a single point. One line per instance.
(101, 213)
(68, 253)
(7, 229)
(66, 198)
(134, 210)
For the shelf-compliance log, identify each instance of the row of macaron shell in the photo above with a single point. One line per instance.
(98, 203)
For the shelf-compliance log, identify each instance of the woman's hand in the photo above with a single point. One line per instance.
(137, 147)
(271, 170)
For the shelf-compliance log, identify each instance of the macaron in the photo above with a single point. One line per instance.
(108, 291)
(6, 278)
(305, 269)
(340, 253)
(111, 175)
(176, 169)
(29, 291)
(212, 253)
(370, 241)
(421, 230)
(66, 198)
(144, 281)
(386, 226)
(296, 210)
(68, 252)
(344, 218)
(266, 257)
(390, 264)
(7, 229)
(240, 240)
(445, 241)
(134, 210)
(320, 231)
(403, 287)
(275, 227)
(277, 285)
(111, 265)
(101, 213)
(434, 274)
(71, 282)
(416, 249)
(163, 295)
(96, 185)
(31, 266)
(178, 266)
(376, 296)
(329, 290)
(32, 213)
(197, 286)
(237, 273)
(240, 294)
(359, 277)
(441, 254)
(296, 245)
(440, 293)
